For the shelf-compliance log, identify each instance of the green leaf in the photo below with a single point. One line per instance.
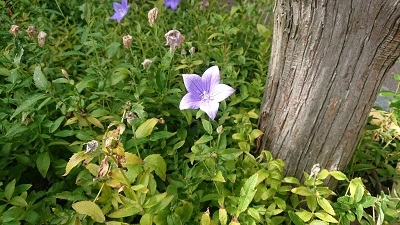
(207, 126)
(305, 215)
(326, 217)
(76, 159)
(247, 193)
(325, 205)
(9, 190)
(30, 102)
(39, 79)
(154, 200)
(218, 177)
(338, 175)
(358, 194)
(161, 135)
(184, 211)
(19, 201)
(56, 124)
(156, 163)
(303, 191)
(203, 139)
(147, 219)
(118, 76)
(295, 218)
(43, 163)
(146, 128)
(290, 180)
(223, 216)
(255, 134)
(254, 213)
(91, 209)
(112, 49)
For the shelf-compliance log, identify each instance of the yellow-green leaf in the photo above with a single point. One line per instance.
(146, 128)
(303, 191)
(76, 159)
(130, 210)
(338, 175)
(223, 216)
(156, 163)
(305, 215)
(326, 217)
(218, 177)
(325, 205)
(91, 209)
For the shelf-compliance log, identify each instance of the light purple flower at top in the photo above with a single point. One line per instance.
(205, 92)
(120, 10)
(171, 3)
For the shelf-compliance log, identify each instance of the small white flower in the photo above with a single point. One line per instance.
(42, 38)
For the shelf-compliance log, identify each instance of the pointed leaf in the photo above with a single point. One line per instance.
(30, 102)
(39, 79)
(76, 159)
(91, 209)
(247, 193)
(130, 210)
(157, 163)
(326, 217)
(325, 205)
(9, 190)
(43, 163)
(146, 128)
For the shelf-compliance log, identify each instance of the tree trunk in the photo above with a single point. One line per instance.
(328, 61)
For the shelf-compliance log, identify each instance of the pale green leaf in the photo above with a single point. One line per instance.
(129, 210)
(325, 205)
(30, 102)
(156, 163)
(325, 217)
(91, 209)
(218, 177)
(207, 126)
(9, 189)
(338, 175)
(305, 215)
(76, 159)
(39, 79)
(146, 128)
(247, 193)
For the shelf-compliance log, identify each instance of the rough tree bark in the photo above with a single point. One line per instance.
(328, 61)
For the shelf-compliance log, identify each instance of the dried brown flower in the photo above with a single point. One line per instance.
(146, 63)
(14, 30)
(42, 38)
(127, 41)
(152, 15)
(31, 31)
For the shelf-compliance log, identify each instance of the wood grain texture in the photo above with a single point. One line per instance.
(328, 61)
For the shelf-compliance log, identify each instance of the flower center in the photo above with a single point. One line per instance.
(206, 96)
(121, 11)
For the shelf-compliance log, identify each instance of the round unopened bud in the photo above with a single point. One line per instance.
(42, 38)
(65, 73)
(127, 41)
(161, 121)
(220, 129)
(315, 170)
(183, 52)
(204, 4)
(14, 30)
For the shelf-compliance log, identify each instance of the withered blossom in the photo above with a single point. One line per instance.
(315, 170)
(204, 4)
(183, 52)
(31, 31)
(14, 30)
(192, 50)
(146, 63)
(103, 170)
(174, 39)
(42, 38)
(152, 15)
(127, 41)
(91, 146)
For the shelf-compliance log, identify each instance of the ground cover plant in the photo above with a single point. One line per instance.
(146, 113)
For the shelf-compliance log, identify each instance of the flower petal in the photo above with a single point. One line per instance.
(117, 7)
(190, 101)
(193, 84)
(220, 92)
(210, 78)
(210, 107)
(124, 3)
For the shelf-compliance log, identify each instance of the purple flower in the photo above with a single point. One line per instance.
(205, 92)
(120, 10)
(171, 3)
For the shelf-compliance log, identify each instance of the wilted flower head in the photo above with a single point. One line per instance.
(205, 92)
(120, 10)
(14, 30)
(127, 41)
(174, 39)
(152, 15)
(315, 170)
(42, 38)
(146, 63)
(171, 3)
(31, 31)
(192, 50)
(204, 4)
(91, 146)
(183, 52)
